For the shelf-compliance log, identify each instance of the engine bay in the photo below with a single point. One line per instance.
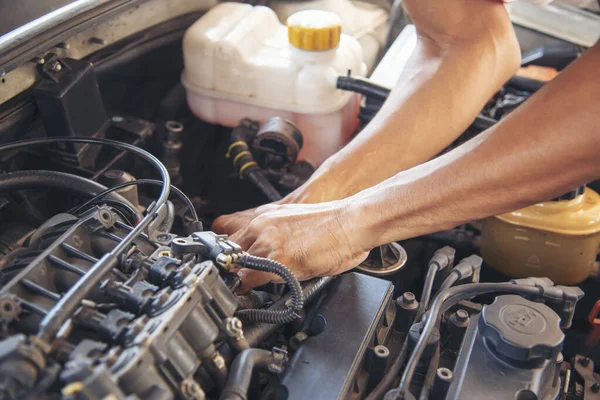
(114, 166)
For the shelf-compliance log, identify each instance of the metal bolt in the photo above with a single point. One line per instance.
(408, 298)
(234, 328)
(163, 237)
(462, 315)
(297, 339)
(218, 361)
(117, 118)
(55, 66)
(595, 387)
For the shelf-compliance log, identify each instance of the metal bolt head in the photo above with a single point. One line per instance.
(408, 298)
(595, 387)
(462, 315)
(56, 66)
(584, 361)
(218, 361)
(234, 328)
(297, 339)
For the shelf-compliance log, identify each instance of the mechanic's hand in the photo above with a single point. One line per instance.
(311, 239)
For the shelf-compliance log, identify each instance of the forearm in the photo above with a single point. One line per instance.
(439, 93)
(546, 147)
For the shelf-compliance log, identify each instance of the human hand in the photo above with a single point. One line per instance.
(311, 239)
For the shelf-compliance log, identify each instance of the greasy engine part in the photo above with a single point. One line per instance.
(145, 330)
(514, 338)
(277, 144)
(384, 260)
(243, 159)
(70, 103)
(171, 148)
(347, 341)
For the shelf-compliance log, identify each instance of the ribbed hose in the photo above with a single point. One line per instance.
(271, 316)
(257, 333)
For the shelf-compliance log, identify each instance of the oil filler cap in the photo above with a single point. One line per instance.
(520, 329)
(314, 30)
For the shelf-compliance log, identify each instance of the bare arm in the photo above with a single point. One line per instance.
(547, 146)
(466, 50)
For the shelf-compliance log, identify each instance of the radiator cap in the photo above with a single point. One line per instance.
(520, 329)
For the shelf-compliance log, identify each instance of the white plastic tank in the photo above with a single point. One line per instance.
(241, 62)
(364, 21)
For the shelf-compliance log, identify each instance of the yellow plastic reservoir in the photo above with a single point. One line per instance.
(557, 239)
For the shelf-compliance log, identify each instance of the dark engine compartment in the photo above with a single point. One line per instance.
(161, 318)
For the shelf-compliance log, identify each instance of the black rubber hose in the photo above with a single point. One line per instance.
(446, 299)
(241, 371)
(362, 86)
(243, 160)
(39, 179)
(141, 182)
(449, 281)
(255, 175)
(434, 267)
(55, 318)
(257, 333)
(296, 297)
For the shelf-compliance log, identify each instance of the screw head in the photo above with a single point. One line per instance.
(595, 387)
(408, 298)
(462, 315)
(56, 66)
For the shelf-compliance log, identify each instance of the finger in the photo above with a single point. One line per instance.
(251, 279)
(243, 238)
(229, 224)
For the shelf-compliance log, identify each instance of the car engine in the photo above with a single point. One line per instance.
(128, 127)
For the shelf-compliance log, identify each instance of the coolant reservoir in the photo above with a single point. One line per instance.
(557, 239)
(241, 62)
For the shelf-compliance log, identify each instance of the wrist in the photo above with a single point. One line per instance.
(357, 223)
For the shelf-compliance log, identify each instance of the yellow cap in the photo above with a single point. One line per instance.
(314, 30)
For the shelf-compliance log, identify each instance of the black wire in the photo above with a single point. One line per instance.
(121, 208)
(138, 182)
(449, 281)
(434, 267)
(389, 377)
(55, 318)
